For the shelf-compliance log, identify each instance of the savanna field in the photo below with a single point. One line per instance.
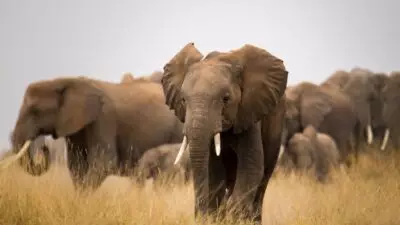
(368, 193)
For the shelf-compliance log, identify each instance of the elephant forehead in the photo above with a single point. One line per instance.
(297, 138)
(206, 79)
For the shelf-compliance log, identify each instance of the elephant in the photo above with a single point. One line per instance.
(378, 124)
(107, 126)
(127, 77)
(363, 88)
(326, 109)
(311, 150)
(154, 77)
(391, 110)
(159, 161)
(232, 106)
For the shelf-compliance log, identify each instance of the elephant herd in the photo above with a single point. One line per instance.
(327, 123)
(224, 120)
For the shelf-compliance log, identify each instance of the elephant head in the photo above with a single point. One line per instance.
(391, 110)
(306, 104)
(362, 93)
(337, 80)
(220, 92)
(59, 107)
(301, 148)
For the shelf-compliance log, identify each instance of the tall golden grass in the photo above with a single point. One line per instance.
(368, 193)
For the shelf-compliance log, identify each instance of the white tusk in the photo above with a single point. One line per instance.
(370, 135)
(217, 143)
(181, 150)
(385, 139)
(281, 150)
(8, 161)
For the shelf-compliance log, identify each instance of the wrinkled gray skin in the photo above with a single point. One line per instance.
(159, 162)
(107, 126)
(325, 108)
(391, 110)
(311, 151)
(239, 95)
(363, 88)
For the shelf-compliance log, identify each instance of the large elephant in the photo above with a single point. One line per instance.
(325, 108)
(232, 106)
(391, 110)
(363, 89)
(311, 151)
(107, 126)
(159, 162)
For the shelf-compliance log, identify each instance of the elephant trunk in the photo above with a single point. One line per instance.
(202, 127)
(21, 138)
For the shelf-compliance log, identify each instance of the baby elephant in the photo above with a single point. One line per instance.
(311, 151)
(159, 162)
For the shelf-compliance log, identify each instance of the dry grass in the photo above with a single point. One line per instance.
(368, 194)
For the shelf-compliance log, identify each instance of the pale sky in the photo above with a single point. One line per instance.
(44, 39)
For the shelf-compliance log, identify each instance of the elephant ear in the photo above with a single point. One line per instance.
(212, 54)
(314, 106)
(174, 74)
(80, 105)
(262, 79)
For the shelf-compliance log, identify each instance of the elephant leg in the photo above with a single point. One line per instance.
(77, 162)
(271, 129)
(250, 167)
(102, 157)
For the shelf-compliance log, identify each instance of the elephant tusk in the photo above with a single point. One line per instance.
(217, 143)
(370, 135)
(8, 161)
(385, 139)
(281, 150)
(181, 150)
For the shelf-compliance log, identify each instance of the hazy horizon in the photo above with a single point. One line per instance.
(45, 39)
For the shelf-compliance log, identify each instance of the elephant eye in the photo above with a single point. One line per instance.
(226, 98)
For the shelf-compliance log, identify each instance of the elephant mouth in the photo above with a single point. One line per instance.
(185, 145)
(226, 124)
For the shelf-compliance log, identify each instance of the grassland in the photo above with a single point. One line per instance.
(368, 193)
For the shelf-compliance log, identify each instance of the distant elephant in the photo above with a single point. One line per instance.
(391, 110)
(107, 126)
(159, 161)
(312, 151)
(232, 106)
(378, 124)
(154, 77)
(359, 85)
(326, 109)
(127, 77)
